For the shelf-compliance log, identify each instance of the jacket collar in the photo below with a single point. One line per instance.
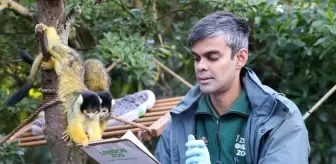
(258, 94)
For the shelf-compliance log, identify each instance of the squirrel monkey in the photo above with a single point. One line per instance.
(96, 79)
(80, 105)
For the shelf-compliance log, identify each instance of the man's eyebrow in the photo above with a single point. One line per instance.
(206, 53)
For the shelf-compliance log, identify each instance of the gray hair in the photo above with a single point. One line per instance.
(235, 30)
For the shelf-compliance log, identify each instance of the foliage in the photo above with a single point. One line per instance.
(132, 54)
(298, 60)
(10, 153)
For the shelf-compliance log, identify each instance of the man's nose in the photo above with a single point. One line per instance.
(201, 65)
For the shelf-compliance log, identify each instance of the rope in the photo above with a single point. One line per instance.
(49, 91)
(132, 124)
(29, 119)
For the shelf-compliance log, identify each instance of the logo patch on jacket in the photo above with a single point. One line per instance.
(240, 146)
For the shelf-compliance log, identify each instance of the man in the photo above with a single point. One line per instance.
(234, 118)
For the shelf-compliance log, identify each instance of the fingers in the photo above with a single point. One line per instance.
(191, 138)
(195, 143)
(193, 160)
(65, 136)
(196, 152)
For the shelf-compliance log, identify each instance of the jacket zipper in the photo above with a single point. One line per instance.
(217, 134)
(217, 138)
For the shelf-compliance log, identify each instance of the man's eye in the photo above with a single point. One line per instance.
(213, 58)
(196, 58)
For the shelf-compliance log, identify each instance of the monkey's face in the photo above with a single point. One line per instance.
(107, 104)
(90, 114)
(104, 114)
(91, 104)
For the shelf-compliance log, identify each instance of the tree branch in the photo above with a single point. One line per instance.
(44, 43)
(16, 7)
(120, 5)
(175, 11)
(68, 20)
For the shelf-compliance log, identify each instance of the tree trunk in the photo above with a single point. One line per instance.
(51, 13)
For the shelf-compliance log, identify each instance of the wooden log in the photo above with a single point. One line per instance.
(26, 134)
(105, 135)
(178, 98)
(156, 113)
(163, 108)
(21, 131)
(157, 128)
(160, 105)
(145, 119)
(120, 132)
(122, 127)
(148, 114)
(165, 104)
(36, 143)
(109, 129)
(31, 138)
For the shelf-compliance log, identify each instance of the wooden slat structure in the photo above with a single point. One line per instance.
(155, 118)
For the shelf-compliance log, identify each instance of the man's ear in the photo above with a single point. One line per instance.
(242, 57)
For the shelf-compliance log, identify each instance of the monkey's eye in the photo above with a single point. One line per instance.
(104, 110)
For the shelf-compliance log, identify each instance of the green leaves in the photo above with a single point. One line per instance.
(10, 153)
(294, 54)
(257, 2)
(332, 29)
(131, 53)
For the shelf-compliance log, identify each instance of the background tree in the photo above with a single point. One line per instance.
(291, 49)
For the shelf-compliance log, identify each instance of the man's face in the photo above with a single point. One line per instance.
(215, 69)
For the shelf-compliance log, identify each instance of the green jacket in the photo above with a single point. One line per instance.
(275, 132)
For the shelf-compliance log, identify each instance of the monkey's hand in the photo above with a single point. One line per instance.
(76, 132)
(51, 34)
(40, 27)
(49, 65)
(65, 136)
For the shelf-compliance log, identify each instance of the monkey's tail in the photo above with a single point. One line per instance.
(20, 94)
(26, 57)
(29, 119)
(23, 91)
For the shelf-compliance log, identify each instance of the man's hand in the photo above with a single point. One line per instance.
(197, 152)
